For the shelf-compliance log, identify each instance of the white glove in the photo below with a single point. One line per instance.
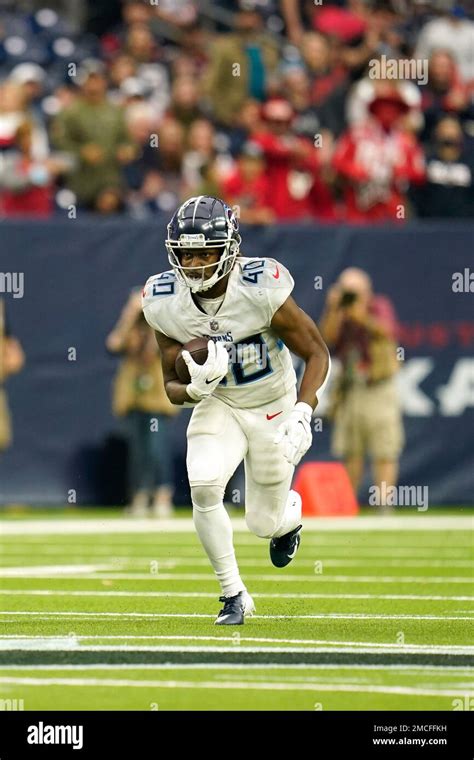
(295, 433)
(206, 377)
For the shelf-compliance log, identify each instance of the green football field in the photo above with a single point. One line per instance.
(101, 613)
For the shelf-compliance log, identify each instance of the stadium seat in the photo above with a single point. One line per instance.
(325, 490)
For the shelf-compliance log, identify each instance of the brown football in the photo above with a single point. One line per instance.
(197, 347)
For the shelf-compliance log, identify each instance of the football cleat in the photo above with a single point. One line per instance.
(284, 548)
(235, 608)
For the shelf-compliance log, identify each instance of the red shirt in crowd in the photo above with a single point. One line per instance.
(293, 168)
(251, 194)
(377, 167)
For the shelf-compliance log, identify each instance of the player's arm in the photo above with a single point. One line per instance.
(175, 389)
(298, 331)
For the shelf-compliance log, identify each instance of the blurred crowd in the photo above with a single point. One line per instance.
(289, 110)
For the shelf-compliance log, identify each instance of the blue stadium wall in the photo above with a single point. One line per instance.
(77, 274)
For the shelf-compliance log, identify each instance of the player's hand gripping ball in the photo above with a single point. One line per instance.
(204, 378)
(197, 348)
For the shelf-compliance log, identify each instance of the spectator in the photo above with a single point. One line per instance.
(93, 131)
(363, 93)
(323, 64)
(140, 401)
(177, 14)
(247, 122)
(140, 45)
(31, 78)
(171, 140)
(297, 90)
(248, 187)
(201, 150)
(26, 185)
(360, 328)
(172, 58)
(452, 32)
(12, 360)
(449, 187)
(377, 160)
(293, 167)
(110, 200)
(239, 67)
(14, 110)
(184, 106)
(141, 125)
(445, 92)
(122, 67)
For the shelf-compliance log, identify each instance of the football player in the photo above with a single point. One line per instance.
(246, 403)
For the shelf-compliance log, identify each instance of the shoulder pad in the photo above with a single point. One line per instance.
(265, 273)
(159, 286)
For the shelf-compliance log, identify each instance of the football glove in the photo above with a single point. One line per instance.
(295, 433)
(206, 377)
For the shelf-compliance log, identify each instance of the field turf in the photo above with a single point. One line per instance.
(107, 613)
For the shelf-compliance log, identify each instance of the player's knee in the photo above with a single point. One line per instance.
(261, 524)
(207, 495)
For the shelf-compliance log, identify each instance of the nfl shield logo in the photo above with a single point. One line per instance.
(214, 325)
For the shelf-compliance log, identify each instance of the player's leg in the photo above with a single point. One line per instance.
(216, 446)
(272, 509)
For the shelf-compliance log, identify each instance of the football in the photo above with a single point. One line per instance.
(197, 347)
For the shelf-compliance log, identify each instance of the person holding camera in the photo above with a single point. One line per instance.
(360, 329)
(140, 401)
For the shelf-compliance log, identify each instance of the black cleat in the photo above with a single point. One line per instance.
(234, 609)
(284, 548)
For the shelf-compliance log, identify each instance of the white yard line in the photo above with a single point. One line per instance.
(18, 641)
(433, 669)
(259, 650)
(271, 685)
(53, 571)
(329, 616)
(185, 525)
(206, 595)
(23, 548)
(128, 561)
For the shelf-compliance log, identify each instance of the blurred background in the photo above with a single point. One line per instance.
(342, 133)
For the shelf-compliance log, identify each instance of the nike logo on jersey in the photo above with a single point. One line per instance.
(208, 382)
(271, 416)
(276, 276)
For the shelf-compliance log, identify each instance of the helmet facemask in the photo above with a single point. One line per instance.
(229, 252)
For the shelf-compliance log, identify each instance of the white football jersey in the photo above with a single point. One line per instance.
(260, 366)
